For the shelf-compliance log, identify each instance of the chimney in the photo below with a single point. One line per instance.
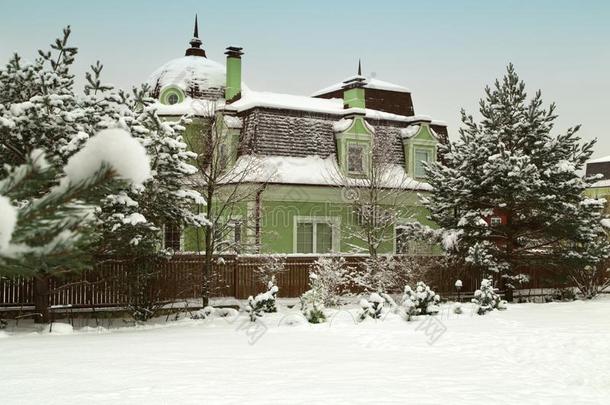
(233, 87)
(353, 90)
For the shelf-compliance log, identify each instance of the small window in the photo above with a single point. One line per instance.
(304, 238)
(402, 244)
(171, 237)
(421, 157)
(355, 158)
(228, 238)
(495, 221)
(413, 247)
(314, 237)
(173, 98)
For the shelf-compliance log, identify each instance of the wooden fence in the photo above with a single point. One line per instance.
(180, 279)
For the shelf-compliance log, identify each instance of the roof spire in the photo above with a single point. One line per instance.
(359, 68)
(195, 49)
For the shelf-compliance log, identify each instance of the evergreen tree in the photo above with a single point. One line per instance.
(40, 111)
(510, 165)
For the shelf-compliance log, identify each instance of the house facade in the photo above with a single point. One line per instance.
(297, 152)
(601, 188)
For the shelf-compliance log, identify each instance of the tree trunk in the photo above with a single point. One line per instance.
(41, 298)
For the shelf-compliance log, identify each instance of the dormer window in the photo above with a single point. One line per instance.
(355, 158)
(421, 156)
(172, 99)
(171, 95)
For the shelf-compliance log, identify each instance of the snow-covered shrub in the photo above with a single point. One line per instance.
(270, 269)
(312, 306)
(486, 298)
(254, 309)
(331, 277)
(312, 301)
(377, 274)
(591, 280)
(372, 307)
(421, 301)
(457, 309)
(203, 313)
(263, 302)
(3, 324)
(270, 297)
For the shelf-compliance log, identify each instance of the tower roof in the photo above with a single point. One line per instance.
(195, 49)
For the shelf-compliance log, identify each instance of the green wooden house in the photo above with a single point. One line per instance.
(297, 143)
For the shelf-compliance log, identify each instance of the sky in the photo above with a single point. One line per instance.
(445, 52)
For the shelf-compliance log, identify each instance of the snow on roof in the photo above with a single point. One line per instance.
(311, 170)
(409, 131)
(600, 160)
(188, 70)
(251, 99)
(190, 106)
(370, 84)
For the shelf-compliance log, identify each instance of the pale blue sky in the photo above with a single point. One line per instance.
(444, 51)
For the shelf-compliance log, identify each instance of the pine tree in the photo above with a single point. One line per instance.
(40, 111)
(510, 165)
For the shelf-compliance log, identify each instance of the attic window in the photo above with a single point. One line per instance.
(355, 158)
(421, 157)
(172, 98)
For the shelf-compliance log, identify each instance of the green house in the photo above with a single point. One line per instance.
(303, 148)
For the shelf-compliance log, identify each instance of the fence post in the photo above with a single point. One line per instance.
(235, 278)
(41, 298)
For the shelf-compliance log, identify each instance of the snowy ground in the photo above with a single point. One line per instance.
(556, 353)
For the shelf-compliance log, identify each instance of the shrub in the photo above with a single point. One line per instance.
(421, 301)
(312, 306)
(263, 302)
(332, 279)
(486, 298)
(312, 301)
(372, 307)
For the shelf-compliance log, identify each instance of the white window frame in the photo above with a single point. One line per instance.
(495, 220)
(231, 235)
(335, 226)
(181, 238)
(428, 153)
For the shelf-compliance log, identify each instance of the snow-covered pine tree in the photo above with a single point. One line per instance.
(38, 107)
(510, 166)
(40, 110)
(47, 218)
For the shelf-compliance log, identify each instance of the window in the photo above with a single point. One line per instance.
(402, 244)
(421, 156)
(314, 236)
(228, 238)
(355, 158)
(495, 221)
(173, 98)
(171, 237)
(406, 246)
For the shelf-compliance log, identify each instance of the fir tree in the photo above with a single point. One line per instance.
(510, 165)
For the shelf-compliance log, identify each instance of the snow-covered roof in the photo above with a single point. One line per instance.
(370, 84)
(312, 170)
(600, 160)
(188, 70)
(189, 106)
(334, 106)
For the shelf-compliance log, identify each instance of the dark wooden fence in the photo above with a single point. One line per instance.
(180, 279)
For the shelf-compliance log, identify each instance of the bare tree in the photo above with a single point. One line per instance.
(229, 178)
(378, 197)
